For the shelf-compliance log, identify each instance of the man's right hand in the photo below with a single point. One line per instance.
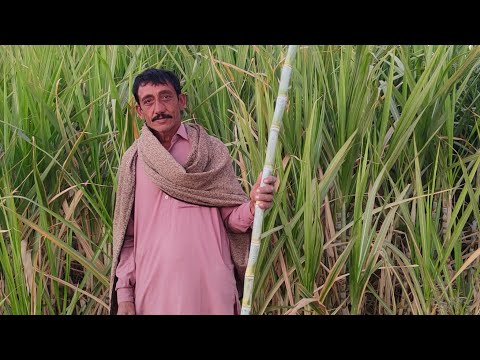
(126, 308)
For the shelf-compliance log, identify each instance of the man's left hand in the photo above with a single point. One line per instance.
(263, 195)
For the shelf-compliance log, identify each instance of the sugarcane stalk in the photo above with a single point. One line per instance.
(267, 171)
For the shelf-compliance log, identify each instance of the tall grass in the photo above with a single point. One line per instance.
(376, 211)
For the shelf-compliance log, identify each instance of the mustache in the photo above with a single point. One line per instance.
(162, 116)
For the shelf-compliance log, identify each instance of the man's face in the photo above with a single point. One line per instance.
(160, 107)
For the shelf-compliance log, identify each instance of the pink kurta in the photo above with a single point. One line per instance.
(176, 255)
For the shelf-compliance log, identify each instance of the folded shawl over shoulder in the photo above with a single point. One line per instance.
(207, 179)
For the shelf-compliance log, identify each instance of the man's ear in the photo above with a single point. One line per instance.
(182, 101)
(139, 111)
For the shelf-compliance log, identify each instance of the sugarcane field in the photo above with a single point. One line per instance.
(286, 179)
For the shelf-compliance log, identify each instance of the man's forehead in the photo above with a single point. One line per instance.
(150, 88)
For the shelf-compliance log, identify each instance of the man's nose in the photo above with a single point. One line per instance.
(159, 106)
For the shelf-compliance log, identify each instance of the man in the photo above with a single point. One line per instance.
(182, 221)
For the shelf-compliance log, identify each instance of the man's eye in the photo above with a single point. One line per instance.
(147, 102)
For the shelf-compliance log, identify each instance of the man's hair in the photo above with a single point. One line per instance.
(156, 77)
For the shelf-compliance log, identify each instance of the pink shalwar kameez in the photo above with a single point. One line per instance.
(176, 257)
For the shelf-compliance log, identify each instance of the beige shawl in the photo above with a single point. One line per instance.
(207, 179)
